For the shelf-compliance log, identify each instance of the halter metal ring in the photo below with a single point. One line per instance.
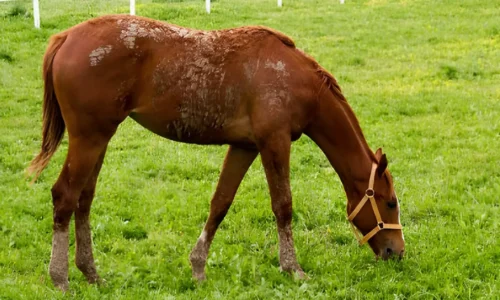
(370, 193)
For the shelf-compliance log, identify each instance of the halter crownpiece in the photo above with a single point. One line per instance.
(370, 194)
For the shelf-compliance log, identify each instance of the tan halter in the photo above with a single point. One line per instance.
(370, 194)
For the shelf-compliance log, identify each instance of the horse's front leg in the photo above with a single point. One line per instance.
(275, 153)
(235, 166)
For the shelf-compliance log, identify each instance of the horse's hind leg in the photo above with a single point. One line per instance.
(235, 166)
(83, 258)
(83, 154)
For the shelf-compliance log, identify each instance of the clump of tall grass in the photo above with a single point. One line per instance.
(17, 10)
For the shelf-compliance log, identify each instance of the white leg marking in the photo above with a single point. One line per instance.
(203, 236)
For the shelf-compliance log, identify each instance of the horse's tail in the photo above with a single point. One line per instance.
(53, 123)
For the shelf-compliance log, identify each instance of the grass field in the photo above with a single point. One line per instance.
(423, 77)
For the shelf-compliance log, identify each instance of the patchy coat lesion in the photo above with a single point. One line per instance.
(204, 97)
(98, 54)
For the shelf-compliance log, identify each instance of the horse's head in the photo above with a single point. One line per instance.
(376, 212)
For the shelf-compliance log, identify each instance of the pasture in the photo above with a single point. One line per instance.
(423, 79)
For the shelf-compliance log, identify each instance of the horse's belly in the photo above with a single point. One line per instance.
(198, 129)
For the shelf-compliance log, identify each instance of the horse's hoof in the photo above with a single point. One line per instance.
(62, 286)
(200, 277)
(99, 281)
(59, 279)
(300, 275)
(296, 272)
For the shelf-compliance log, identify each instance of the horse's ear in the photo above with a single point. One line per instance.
(382, 164)
(378, 154)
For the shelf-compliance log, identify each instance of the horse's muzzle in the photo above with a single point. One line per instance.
(389, 253)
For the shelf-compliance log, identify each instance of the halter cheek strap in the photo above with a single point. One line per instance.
(370, 195)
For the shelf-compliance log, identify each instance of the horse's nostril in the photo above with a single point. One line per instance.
(388, 251)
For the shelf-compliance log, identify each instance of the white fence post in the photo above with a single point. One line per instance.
(280, 3)
(132, 7)
(207, 6)
(36, 13)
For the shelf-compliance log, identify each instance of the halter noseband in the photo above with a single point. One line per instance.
(370, 194)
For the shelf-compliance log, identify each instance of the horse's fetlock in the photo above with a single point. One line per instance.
(82, 264)
(197, 258)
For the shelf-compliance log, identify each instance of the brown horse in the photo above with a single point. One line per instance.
(247, 87)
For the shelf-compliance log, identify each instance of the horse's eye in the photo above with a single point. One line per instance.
(392, 204)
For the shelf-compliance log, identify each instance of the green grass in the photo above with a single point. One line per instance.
(423, 78)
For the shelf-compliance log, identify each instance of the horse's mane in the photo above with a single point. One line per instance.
(328, 80)
(281, 36)
(331, 83)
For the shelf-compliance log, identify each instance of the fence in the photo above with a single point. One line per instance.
(36, 9)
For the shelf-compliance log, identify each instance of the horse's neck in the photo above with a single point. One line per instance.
(336, 131)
